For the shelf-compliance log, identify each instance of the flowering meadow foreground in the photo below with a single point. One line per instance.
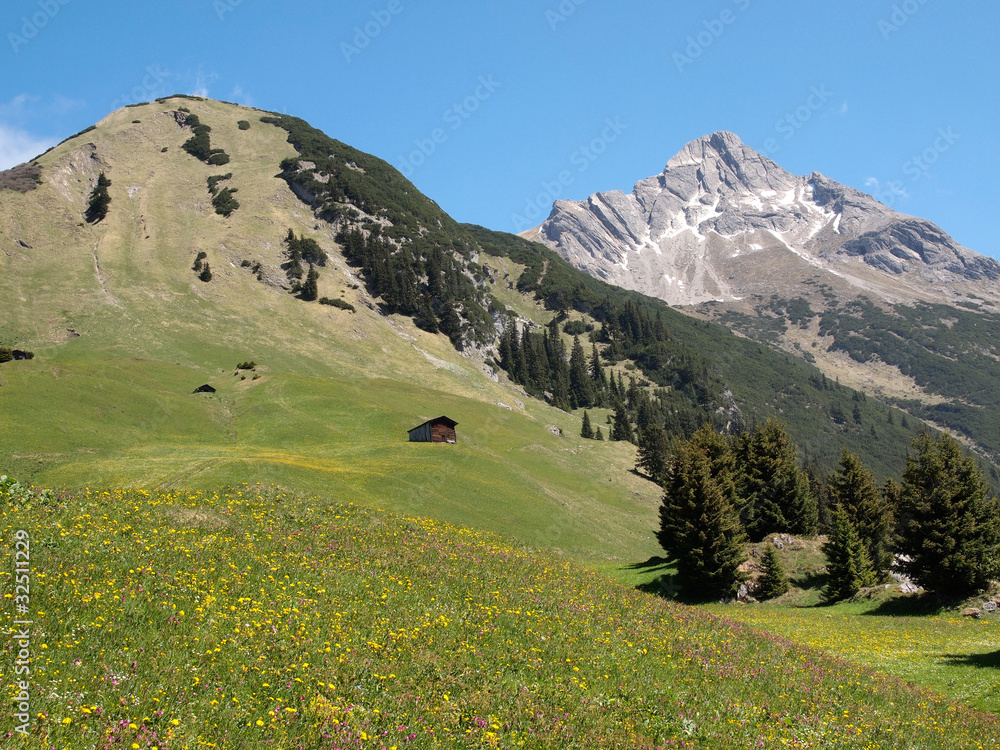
(251, 618)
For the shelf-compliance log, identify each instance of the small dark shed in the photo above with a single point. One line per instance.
(204, 389)
(440, 430)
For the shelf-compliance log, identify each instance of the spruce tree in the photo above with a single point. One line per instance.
(949, 532)
(848, 567)
(581, 388)
(853, 488)
(310, 289)
(621, 427)
(597, 375)
(700, 527)
(598, 435)
(775, 491)
(587, 431)
(774, 582)
(99, 200)
(653, 458)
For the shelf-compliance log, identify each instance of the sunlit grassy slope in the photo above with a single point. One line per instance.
(252, 618)
(124, 331)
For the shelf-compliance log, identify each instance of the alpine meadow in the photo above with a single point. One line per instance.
(232, 353)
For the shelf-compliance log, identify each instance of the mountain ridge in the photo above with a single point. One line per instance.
(718, 199)
(108, 295)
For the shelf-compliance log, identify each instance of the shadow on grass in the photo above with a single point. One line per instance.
(653, 562)
(989, 660)
(808, 580)
(910, 605)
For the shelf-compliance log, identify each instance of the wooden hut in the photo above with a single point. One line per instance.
(440, 430)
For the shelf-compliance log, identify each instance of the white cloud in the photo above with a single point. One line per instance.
(17, 146)
(202, 82)
(240, 96)
(844, 109)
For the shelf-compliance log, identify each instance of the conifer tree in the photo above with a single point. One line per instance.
(598, 435)
(653, 457)
(581, 388)
(775, 491)
(848, 568)
(949, 532)
(774, 582)
(597, 375)
(587, 431)
(621, 426)
(310, 289)
(853, 488)
(206, 273)
(99, 200)
(700, 527)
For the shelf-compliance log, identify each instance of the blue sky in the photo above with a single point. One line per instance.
(495, 109)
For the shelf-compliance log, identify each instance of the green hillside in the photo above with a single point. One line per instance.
(255, 618)
(124, 330)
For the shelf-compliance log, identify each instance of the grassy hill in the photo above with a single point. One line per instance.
(255, 618)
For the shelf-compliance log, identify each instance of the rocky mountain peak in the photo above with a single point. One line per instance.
(721, 216)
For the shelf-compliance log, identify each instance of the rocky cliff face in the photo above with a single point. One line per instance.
(722, 222)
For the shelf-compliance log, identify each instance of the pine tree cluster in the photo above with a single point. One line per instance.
(304, 249)
(575, 380)
(429, 286)
(721, 491)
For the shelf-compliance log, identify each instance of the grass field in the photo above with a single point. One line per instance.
(124, 332)
(254, 618)
(957, 656)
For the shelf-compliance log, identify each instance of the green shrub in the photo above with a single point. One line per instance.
(224, 202)
(200, 144)
(243, 125)
(339, 303)
(214, 180)
(206, 273)
(251, 365)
